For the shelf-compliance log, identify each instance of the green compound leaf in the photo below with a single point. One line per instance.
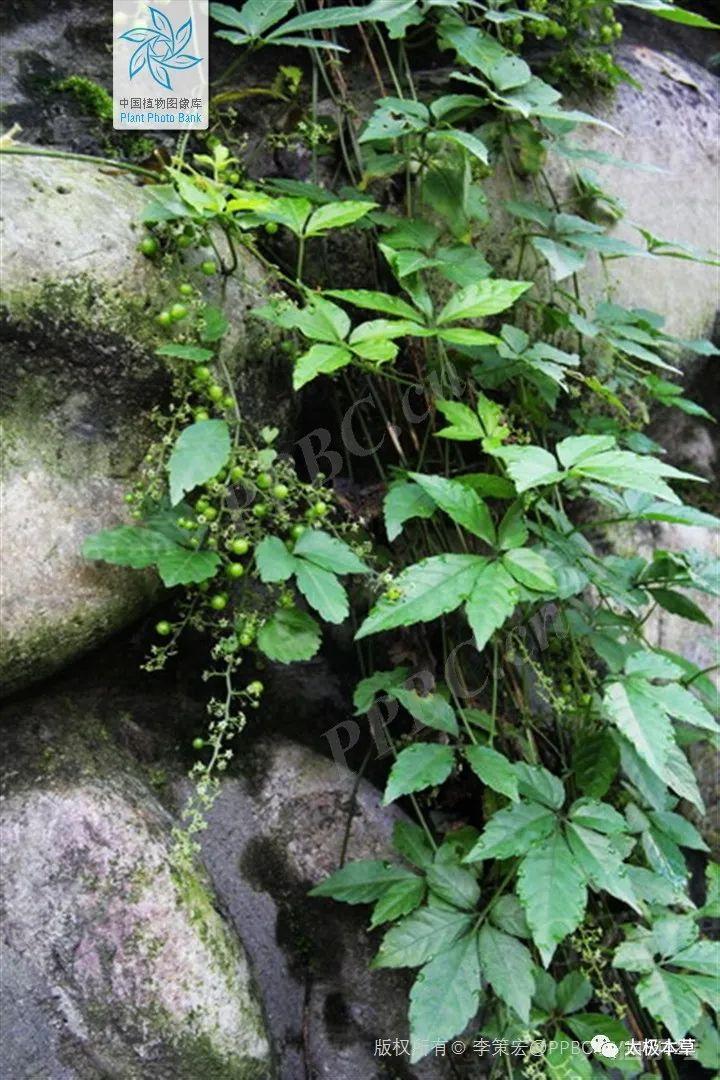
(508, 967)
(183, 566)
(322, 590)
(128, 545)
(290, 634)
(552, 891)
(362, 882)
(445, 995)
(417, 767)
(200, 452)
(429, 588)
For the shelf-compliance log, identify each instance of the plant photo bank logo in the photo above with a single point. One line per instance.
(160, 64)
(160, 48)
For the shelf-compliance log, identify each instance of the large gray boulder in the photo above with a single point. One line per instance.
(79, 380)
(116, 961)
(278, 827)
(669, 125)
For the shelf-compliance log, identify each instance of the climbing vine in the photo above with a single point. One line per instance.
(557, 907)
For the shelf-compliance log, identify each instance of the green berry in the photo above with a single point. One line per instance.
(239, 546)
(208, 267)
(234, 178)
(218, 602)
(260, 510)
(178, 312)
(215, 392)
(198, 744)
(297, 531)
(186, 289)
(164, 318)
(271, 227)
(202, 373)
(149, 246)
(264, 481)
(236, 473)
(184, 241)
(228, 402)
(163, 628)
(210, 513)
(281, 491)
(245, 639)
(201, 414)
(235, 570)
(255, 688)
(320, 508)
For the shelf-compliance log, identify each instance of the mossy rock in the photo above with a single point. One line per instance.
(117, 950)
(79, 381)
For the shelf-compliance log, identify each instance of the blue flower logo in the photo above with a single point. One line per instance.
(160, 48)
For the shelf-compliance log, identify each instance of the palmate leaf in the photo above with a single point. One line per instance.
(417, 767)
(508, 967)
(465, 424)
(431, 587)
(552, 891)
(529, 466)
(200, 452)
(411, 842)
(289, 635)
(445, 995)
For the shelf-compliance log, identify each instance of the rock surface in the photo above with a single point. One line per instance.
(670, 127)
(117, 962)
(78, 382)
(275, 830)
